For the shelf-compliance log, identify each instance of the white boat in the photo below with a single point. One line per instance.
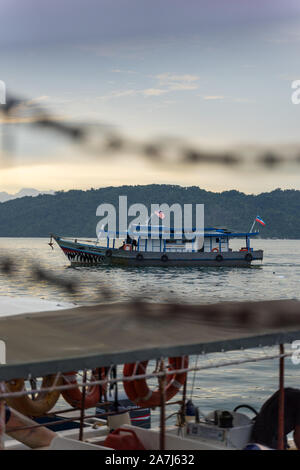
(147, 246)
(83, 338)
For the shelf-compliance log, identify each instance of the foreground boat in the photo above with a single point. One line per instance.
(139, 248)
(99, 336)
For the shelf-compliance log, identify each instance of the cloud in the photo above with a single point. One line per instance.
(154, 92)
(123, 71)
(285, 37)
(231, 99)
(182, 86)
(167, 83)
(118, 94)
(38, 99)
(131, 92)
(243, 100)
(173, 82)
(169, 78)
(213, 97)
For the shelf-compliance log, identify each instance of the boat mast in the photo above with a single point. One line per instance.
(252, 226)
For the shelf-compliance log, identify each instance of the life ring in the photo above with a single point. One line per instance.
(164, 258)
(138, 390)
(73, 396)
(108, 253)
(215, 250)
(127, 247)
(219, 258)
(139, 257)
(248, 257)
(244, 249)
(41, 404)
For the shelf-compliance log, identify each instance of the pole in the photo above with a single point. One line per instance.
(182, 411)
(280, 444)
(162, 389)
(2, 417)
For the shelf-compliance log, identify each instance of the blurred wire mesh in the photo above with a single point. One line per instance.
(102, 140)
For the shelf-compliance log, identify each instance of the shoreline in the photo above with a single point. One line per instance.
(17, 305)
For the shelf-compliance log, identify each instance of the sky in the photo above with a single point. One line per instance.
(212, 74)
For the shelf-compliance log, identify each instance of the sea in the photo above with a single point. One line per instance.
(277, 277)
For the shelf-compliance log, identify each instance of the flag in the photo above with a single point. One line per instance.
(260, 220)
(160, 214)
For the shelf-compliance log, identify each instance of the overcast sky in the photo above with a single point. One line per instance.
(216, 73)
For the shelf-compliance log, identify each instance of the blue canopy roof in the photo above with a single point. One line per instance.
(160, 231)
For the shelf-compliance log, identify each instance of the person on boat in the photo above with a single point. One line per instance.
(265, 430)
(122, 247)
(31, 437)
(129, 240)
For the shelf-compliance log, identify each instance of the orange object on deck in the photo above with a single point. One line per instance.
(126, 441)
(127, 247)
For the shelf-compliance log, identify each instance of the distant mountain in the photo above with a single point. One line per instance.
(22, 193)
(73, 213)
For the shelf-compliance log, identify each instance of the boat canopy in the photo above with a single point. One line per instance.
(118, 333)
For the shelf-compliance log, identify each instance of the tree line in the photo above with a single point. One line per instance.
(73, 213)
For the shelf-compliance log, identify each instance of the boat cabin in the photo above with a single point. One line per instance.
(153, 238)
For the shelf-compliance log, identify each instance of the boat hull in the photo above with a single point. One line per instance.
(93, 255)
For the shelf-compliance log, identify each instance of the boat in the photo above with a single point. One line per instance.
(149, 246)
(82, 338)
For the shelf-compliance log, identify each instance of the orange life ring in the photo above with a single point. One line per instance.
(40, 404)
(215, 250)
(73, 396)
(138, 390)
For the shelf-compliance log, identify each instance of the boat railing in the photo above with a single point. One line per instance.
(171, 249)
(78, 240)
(161, 374)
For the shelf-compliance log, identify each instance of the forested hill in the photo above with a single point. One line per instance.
(73, 213)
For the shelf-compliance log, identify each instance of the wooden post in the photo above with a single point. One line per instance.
(2, 416)
(182, 411)
(280, 444)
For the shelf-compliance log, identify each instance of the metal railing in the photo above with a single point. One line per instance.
(160, 374)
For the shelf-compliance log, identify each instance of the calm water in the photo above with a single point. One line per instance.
(277, 278)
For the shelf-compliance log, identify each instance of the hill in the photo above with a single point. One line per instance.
(22, 193)
(73, 213)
